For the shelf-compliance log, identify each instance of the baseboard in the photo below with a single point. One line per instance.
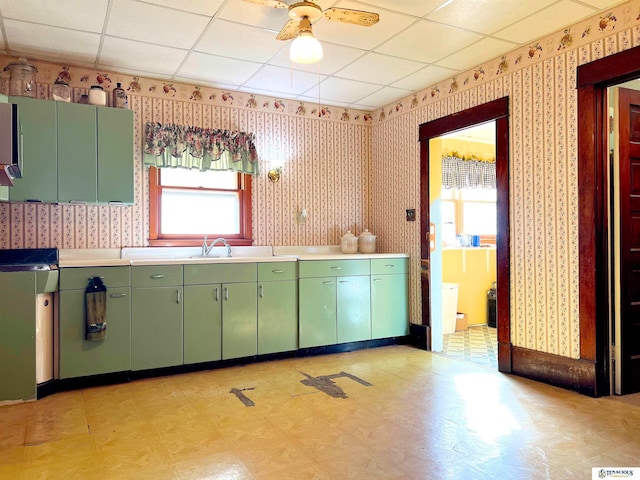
(420, 336)
(570, 373)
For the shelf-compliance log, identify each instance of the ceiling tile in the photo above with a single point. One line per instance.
(229, 39)
(428, 42)
(411, 7)
(153, 24)
(361, 37)
(384, 96)
(334, 58)
(283, 80)
(61, 13)
(140, 56)
(217, 70)
(201, 7)
(603, 3)
(311, 102)
(380, 69)
(427, 76)
(486, 16)
(473, 55)
(550, 19)
(342, 90)
(268, 93)
(51, 42)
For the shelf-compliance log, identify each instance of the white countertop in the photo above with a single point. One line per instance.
(193, 255)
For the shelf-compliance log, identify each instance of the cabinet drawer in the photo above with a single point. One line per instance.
(156, 275)
(325, 268)
(78, 277)
(273, 271)
(383, 266)
(220, 273)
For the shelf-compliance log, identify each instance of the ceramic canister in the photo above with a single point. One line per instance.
(97, 96)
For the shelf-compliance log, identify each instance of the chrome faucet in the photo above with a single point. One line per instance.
(206, 249)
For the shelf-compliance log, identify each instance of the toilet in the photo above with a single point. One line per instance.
(449, 307)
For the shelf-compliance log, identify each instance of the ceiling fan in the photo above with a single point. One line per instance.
(306, 48)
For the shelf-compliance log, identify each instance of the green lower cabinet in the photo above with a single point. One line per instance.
(239, 320)
(317, 312)
(277, 317)
(79, 357)
(156, 327)
(389, 306)
(17, 336)
(353, 309)
(202, 323)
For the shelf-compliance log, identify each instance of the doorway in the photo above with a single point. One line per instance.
(498, 111)
(463, 209)
(596, 278)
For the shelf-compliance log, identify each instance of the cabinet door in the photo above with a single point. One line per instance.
(317, 310)
(17, 336)
(277, 317)
(354, 309)
(79, 357)
(38, 151)
(77, 153)
(202, 323)
(115, 155)
(239, 320)
(156, 327)
(389, 306)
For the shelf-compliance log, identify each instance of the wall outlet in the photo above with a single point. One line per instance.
(411, 215)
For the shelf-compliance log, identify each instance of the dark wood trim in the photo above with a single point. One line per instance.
(497, 110)
(570, 373)
(593, 192)
(504, 357)
(610, 70)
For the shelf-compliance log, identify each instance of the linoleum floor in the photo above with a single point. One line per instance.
(386, 413)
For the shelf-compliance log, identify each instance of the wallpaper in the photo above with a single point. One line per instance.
(540, 81)
(356, 170)
(323, 153)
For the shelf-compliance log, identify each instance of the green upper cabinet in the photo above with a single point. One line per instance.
(77, 150)
(73, 153)
(115, 155)
(38, 152)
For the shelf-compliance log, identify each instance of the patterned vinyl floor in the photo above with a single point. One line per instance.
(477, 344)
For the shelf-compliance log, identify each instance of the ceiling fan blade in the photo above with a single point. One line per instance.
(356, 17)
(269, 3)
(289, 31)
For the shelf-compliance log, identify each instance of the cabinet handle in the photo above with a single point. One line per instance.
(277, 271)
(343, 281)
(377, 279)
(336, 268)
(118, 295)
(178, 296)
(226, 293)
(157, 276)
(77, 202)
(327, 283)
(115, 202)
(217, 294)
(389, 266)
(261, 291)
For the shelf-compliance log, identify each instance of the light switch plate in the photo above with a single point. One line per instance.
(411, 215)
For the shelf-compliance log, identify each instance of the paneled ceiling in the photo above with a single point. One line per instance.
(231, 44)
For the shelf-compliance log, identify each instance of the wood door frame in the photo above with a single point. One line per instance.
(593, 79)
(497, 110)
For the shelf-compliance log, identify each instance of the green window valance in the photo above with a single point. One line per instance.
(182, 146)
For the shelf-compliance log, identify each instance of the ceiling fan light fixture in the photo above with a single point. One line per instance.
(305, 48)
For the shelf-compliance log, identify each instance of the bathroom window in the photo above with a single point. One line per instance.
(470, 211)
(185, 205)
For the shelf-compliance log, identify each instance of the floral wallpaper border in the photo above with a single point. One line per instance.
(618, 19)
(80, 79)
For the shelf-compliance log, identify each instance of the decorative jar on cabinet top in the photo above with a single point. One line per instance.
(22, 78)
(349, 243)
(367, 242)
(97, 96)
